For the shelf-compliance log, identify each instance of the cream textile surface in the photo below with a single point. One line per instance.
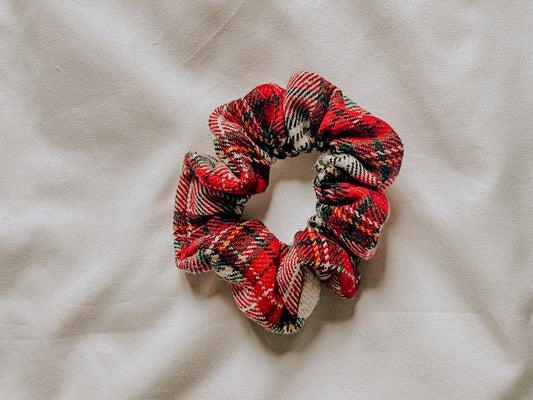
(100, 101)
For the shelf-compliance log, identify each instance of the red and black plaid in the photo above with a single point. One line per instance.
(275, 284)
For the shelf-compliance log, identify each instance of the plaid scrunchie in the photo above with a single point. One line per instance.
(275, 284)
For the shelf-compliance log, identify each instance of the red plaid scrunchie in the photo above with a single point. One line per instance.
(275, 284)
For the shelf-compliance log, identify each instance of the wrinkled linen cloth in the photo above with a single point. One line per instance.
(101, 101)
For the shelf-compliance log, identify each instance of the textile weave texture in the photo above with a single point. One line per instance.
(275, 284)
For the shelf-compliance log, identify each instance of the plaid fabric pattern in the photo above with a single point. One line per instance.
(275, 284)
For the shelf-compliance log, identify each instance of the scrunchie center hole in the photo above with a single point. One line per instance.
(289, 200)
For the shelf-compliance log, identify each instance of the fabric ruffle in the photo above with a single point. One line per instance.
(275, 284)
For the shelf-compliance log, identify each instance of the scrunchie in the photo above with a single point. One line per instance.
(274, 284)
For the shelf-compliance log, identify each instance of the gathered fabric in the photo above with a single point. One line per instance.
(275, 284)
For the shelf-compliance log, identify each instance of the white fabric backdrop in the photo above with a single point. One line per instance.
(100, 101)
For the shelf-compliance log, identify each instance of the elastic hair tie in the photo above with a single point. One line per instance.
(274, 284)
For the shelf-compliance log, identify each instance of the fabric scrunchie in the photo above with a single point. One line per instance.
(274, 284)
